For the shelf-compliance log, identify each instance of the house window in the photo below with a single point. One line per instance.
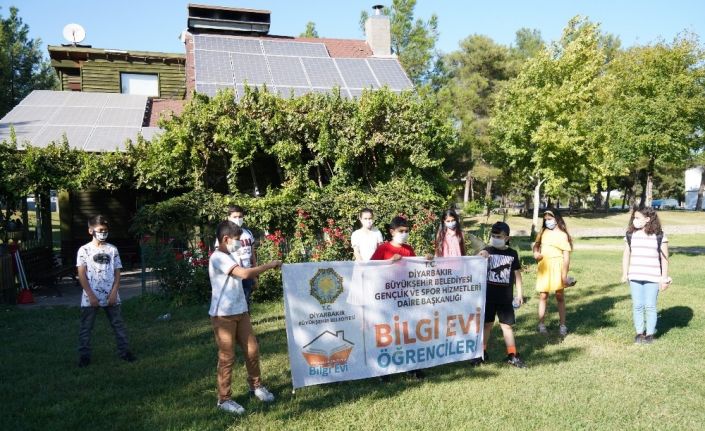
(142, 84)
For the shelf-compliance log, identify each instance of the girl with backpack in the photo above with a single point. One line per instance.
(645, 267)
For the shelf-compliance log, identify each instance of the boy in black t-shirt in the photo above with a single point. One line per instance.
(503, 272)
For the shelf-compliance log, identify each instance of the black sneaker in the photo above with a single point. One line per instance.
(648, 339)
(639, 339)
(515, 361)
(128, 356)
(417, 374)
(84, 361)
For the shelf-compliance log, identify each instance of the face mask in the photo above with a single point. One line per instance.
(237, 220)
(367, 223)
(451, 224)
(639, 223)
(497, 242)
(233, 245)
(550, 224)
(401, 237)
(100, 236)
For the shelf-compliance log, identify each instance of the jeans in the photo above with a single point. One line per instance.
(88, 319)
(228, 331)
(644, 294)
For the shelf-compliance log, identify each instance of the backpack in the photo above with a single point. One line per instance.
(659, 239)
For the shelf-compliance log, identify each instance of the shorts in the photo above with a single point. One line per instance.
(505, 312)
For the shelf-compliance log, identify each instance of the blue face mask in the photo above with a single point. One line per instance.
(451, 224)
(551, 224)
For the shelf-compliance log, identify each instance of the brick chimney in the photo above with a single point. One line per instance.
(378, 34)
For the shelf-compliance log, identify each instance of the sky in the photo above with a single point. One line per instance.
(154, 25)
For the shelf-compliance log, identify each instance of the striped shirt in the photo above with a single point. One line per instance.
(644, 263)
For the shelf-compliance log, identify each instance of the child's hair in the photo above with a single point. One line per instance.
(398, 222)
(97, 220)
(559, 222)
(366, 210)
(653, 227)
(227, 228)
(501, 227)
(441, 234)
(236, 209)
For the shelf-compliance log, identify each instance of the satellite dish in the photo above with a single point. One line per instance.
(74, 33)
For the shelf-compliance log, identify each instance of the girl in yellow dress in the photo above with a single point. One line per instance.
(552, 252)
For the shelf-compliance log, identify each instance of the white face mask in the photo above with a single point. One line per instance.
(401, 237)
(237, 220)
(367, 223)
(234, 245)
(497, 242)
(550, 224)
(100, 236)
(639, 223)
(451, 224)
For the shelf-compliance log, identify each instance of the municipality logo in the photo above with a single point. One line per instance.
(328, 350)
(326, 286)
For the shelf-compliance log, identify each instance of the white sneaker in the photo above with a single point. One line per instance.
(231, 406)
(263, 394)
(542, 329)
(563, 330)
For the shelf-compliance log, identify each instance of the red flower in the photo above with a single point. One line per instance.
(178, 256)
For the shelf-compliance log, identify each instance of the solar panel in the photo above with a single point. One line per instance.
(213, 66)
(77, 98)
(241, 89)
(390, 73)
(287, 71)
(295, 49)
(322, 72)
(29, 115)
(76, 135)
(211, 89)
(23, 132)
(126, 101)
(110, 138)
(356, 73)
(149, 133)
(121, 117)
(228, 44)
(75, 116)
(46, 98)
(251, 69)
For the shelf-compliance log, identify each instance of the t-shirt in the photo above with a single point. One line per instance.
(644, 264)
(100, 261)
(501, 265)
(451, 244)
(247, 241)
(227, 296)
(386, 251)
(366, 241)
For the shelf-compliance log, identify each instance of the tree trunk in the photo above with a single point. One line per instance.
(624, 198)
(607, 200)
(254, 180)
(597, 198)
(25, 218)
(468, 182)
(701, 191)
(527, 204)
(318, 175)
(650, 184)
(472, 188)
(537, 200)
(488, 196)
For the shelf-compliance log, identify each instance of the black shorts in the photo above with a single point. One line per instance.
(505, 312)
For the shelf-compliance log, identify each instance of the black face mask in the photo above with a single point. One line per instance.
(101, 258)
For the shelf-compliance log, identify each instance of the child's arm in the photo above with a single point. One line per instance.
(519, 285)
(537, 251)
(665, 280)
(83, 280)
(626, 256)
(356, 253)
(112, 297)
(565, 268)
(243, 273)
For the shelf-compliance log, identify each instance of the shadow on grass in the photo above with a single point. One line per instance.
(584, 318)
(674, 317)
(688, 251)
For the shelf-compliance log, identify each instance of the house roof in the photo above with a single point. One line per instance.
(164, 108)
(77, 53)
(91, 121)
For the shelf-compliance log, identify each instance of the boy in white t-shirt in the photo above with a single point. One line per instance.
(366, 239)
(230, 318)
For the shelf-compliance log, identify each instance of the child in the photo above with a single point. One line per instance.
(98, 265)
(449, 238)
(394, 250)
(366, 239)
(552, 252)
(503, 272)
(246, 252)
(229, 316)
(645, 266)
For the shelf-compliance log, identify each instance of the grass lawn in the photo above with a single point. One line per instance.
(595, 379)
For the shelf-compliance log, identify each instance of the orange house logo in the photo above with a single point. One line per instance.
(326, 285)
(328, 350)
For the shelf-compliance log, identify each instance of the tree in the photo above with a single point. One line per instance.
(412, 41)
(527, 43)
(656, 95)
(22, 66)
(310, 30)
(542, 118)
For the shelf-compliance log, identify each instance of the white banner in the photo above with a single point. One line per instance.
(348, 320)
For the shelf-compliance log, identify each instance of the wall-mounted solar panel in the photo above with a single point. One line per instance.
(227, 44)
(389, 72)
(213, 66)
(121, 117)
(287, 71)
(322, 72)
(294, 49)
(356, 73)
(251, 69)
(240, 89)
(212, 89)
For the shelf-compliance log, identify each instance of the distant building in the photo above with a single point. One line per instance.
(693, 178)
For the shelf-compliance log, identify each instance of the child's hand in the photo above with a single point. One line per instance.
(519, 300)
(112, 299)
(537, 256)
(93, 300)
(484, 253)
(396, 257)
(275, 264)
(429, 257)
(665, 284)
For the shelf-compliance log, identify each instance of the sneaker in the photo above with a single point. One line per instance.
(128, 356)
(84, 361)
(563, 330)
(515, 361)
(639, 339)
(476, 362)
(648, 339)
(262, 394)
(231, 406)
(417, 374)
(542, 329)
